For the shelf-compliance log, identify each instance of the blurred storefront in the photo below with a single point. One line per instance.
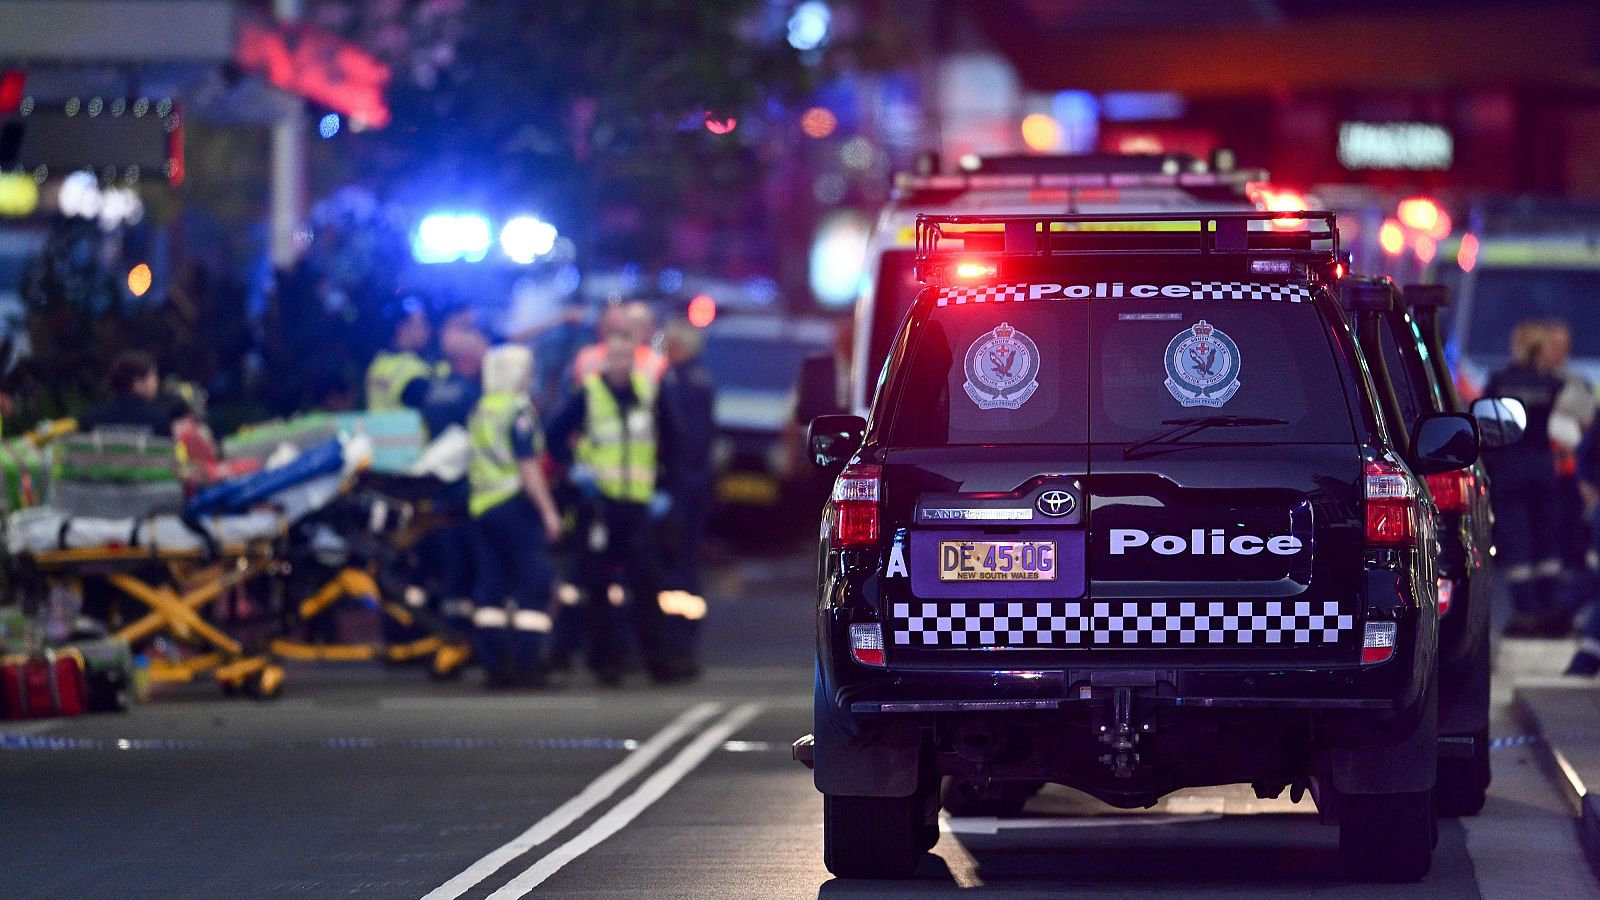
(1416, 93)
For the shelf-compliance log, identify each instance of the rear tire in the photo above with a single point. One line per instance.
(873, 837)
(1387, 837)
(1463, 783)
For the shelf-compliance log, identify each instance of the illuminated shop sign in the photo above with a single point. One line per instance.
(1415, 146)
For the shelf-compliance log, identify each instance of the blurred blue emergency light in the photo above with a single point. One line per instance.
(451, 237)
(526, 238)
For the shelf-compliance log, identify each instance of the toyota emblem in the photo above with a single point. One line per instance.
(1056, 504)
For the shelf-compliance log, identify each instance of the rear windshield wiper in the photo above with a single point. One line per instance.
(1194, 424)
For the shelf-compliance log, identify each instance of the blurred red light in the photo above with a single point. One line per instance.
(702, 311)
(1275, 199)
(721, 126)
(1391, 237)
(12, 84)
(1467, 255)
(1426, 247)
(1425, 215)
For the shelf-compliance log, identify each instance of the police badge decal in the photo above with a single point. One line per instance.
(1202, 366)
(1002, 369)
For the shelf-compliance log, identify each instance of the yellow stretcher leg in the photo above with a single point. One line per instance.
(172, 611)
(348, 583)
(305, 652)
(414, 649)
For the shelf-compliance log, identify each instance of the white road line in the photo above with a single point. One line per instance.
(617, 818)
(570, 811)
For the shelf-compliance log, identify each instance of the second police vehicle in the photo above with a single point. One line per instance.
(1128, 514)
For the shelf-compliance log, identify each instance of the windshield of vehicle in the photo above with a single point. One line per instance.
(1114, 371)
(1503, 297)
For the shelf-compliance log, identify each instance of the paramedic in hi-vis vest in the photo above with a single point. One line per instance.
(514, 521)
(622, 466)
(392, 369)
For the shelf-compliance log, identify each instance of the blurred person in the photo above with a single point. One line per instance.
(637, 322)
(691, 395)
(403, 362)
(1527, 507)
(136, 402)
(514, 521)
(1570, 418)
(624, 466)
(446, 400)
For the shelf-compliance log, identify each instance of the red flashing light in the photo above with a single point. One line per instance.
(1275, 199)
(1391, 506)
(1467, 254)
(1339, 270)
(854, 506)
(969, 271)
(1392, 237)
(13, 82)
(702, 310)
(720, 126)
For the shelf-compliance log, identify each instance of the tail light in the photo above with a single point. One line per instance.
(854, 505)
(1391, 506)
(866, 643)
(1377, 643)
(1447, 594)
(1452, 490)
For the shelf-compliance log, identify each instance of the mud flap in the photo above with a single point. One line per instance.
(873, 756)
(1393, 763)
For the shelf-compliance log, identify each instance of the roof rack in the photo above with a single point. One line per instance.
(1310, 238)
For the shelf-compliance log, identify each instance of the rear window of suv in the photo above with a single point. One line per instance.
(1115, 371)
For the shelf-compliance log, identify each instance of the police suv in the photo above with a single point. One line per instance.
(1127, 516)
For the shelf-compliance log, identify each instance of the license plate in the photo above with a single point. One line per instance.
(997, 560)
(747, 489)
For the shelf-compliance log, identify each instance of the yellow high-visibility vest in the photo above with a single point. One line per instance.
(492, 473)
(388, 376)
(620, 449)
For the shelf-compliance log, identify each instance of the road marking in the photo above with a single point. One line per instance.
(596, 793)
(618, 817)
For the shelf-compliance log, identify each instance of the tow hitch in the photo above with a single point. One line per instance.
(1119, 736)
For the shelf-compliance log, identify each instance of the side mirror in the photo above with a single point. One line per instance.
(832, 440)
(1444, 442)
(1501, 421)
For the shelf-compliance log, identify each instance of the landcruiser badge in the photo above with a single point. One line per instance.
(1002, 369)
(1202, 366)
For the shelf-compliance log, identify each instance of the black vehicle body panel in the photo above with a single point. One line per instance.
(1269, 714)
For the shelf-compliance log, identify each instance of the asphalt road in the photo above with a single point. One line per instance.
(365, 783)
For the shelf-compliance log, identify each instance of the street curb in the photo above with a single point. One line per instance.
(1567, 781)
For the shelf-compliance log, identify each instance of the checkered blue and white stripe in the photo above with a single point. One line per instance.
(949, 624)
(1249, 290)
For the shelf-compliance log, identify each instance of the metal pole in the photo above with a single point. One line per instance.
(288, 164)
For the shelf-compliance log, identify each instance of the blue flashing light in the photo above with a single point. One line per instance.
(526, 238)
(808, 26)
(451, 237)
(329, 126)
